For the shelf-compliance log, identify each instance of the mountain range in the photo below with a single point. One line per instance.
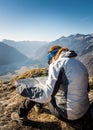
(35, 53)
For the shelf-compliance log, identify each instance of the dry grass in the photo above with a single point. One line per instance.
(10, 100)
(32, 73)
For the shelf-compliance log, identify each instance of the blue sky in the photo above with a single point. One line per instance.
(44, 20)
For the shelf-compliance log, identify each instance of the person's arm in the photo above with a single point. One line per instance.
(40, 92)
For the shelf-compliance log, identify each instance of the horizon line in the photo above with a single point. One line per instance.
(2, 39)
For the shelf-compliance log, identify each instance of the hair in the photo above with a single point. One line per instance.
(60, 49)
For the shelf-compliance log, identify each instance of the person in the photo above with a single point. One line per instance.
(65, 91)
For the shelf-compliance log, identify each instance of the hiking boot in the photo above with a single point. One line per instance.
(15, 117)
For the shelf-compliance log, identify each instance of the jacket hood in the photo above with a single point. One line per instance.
(70, 53)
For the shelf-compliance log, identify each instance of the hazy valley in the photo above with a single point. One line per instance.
(25, 54)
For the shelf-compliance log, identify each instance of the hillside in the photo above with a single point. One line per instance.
(10, 100)
(9, 55)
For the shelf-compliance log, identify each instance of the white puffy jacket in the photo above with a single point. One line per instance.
(67, 82)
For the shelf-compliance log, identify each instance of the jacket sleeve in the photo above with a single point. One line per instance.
(37, 91)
